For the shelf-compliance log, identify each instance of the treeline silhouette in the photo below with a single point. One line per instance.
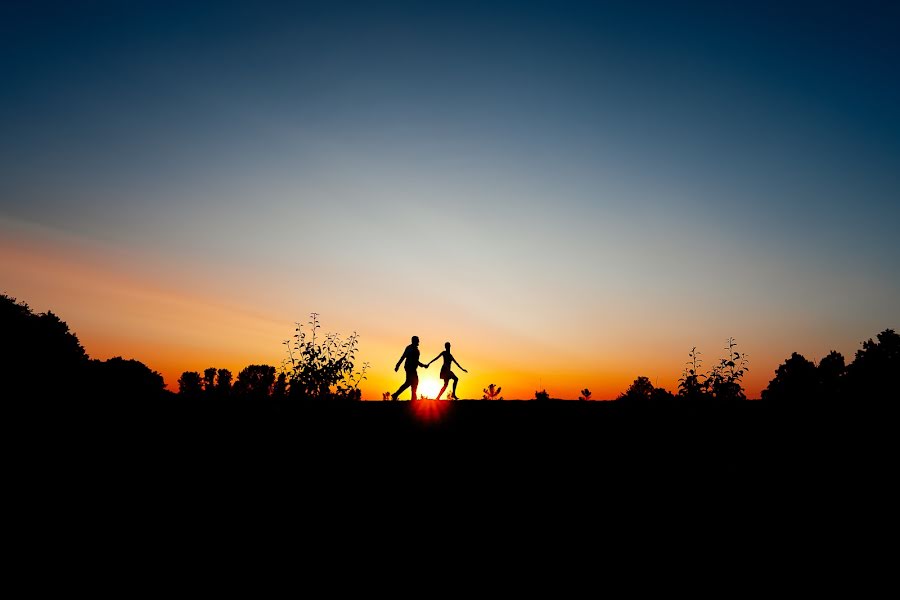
(111, 426)
(44, 359)
(798, 381)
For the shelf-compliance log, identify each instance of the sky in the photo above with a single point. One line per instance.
(572, 193)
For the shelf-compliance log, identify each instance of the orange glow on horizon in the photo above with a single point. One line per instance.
(120, 305)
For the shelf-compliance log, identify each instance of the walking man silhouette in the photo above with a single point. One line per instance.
(446, 373)
(411, 355)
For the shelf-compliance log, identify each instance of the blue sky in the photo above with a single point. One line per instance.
(641, 170)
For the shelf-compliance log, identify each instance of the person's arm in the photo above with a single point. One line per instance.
(432, 360)
(401, 359)
(460, 366)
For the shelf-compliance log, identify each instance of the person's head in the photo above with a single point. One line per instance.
(447, 345)
(415, 340)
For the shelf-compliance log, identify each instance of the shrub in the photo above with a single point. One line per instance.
(724, 382)
(692, 384)
(320, 369)
(642, 390)
(492, 392)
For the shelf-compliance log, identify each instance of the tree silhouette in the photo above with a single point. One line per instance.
(872, 373)
(542, 395)
(254, 382)
(223, 383)
(209, 381)
(870, 376)
(832, 371)
(190, 385)
(585, 394)
(642, 390)
(125, 379)
(279, 390)
(796, 380)
(49, 362)
(42, 356)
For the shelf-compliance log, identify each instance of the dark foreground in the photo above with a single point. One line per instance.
(477, 473)
(375, 447)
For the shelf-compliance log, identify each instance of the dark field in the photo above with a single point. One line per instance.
(503, 446)
(474, 476)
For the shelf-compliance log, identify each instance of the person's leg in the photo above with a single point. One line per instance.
(406, 384)
(446, 381)
(455, 381)
(414, 383)
(402, 387)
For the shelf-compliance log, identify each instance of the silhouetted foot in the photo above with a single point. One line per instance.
(394, 397)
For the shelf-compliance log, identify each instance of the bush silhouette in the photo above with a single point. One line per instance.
(492, 392)
(642, 390)
(324, 368)
(725, 379)
(723, 382)
(692, 385)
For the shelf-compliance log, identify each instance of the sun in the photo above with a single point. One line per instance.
(429, 387)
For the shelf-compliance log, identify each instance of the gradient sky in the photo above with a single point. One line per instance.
(572, 193)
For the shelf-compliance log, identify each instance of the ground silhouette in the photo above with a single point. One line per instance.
(113, 420)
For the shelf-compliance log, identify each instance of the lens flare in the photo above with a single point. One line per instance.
(430, 411)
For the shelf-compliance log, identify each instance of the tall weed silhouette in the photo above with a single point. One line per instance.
(692, 384)
(725, 379)
(319, 368)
